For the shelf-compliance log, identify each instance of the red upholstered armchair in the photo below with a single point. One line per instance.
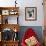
(30, 38)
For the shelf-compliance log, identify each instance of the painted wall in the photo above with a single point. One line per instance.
(26, 3)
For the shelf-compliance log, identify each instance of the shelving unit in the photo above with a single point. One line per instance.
(6, 24)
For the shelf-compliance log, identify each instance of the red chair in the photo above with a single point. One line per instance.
(29, 33)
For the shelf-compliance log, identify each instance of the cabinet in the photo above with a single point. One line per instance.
(9, 26)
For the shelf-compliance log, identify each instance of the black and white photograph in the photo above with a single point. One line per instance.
(31, 13)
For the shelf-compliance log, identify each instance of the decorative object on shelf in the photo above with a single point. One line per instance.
(15, 30)
(5, 12)
(15, 37)
(31, 13)
(13, 12)
(15, 34)
(15, 3)
(7, 34)
(9, 11)
(6, 21)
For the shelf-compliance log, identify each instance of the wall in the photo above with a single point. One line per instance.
(26, 3)
(32, 3)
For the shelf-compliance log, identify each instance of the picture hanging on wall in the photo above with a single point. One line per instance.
(30, 13)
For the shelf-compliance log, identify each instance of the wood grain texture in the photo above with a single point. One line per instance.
(11, 26)
(44, 2)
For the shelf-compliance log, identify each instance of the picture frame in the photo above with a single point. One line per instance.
(5, 12)
(30, 13)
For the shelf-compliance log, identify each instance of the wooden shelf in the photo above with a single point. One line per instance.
(11, 26)
(10, 43)
(9, 9)
(4, 13)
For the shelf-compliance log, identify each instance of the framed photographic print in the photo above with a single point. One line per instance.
(30, 13)
(5, 12)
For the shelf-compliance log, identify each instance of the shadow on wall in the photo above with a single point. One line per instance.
(37, 29)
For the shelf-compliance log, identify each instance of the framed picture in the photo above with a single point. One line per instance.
(5, 12)
(30, 13)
